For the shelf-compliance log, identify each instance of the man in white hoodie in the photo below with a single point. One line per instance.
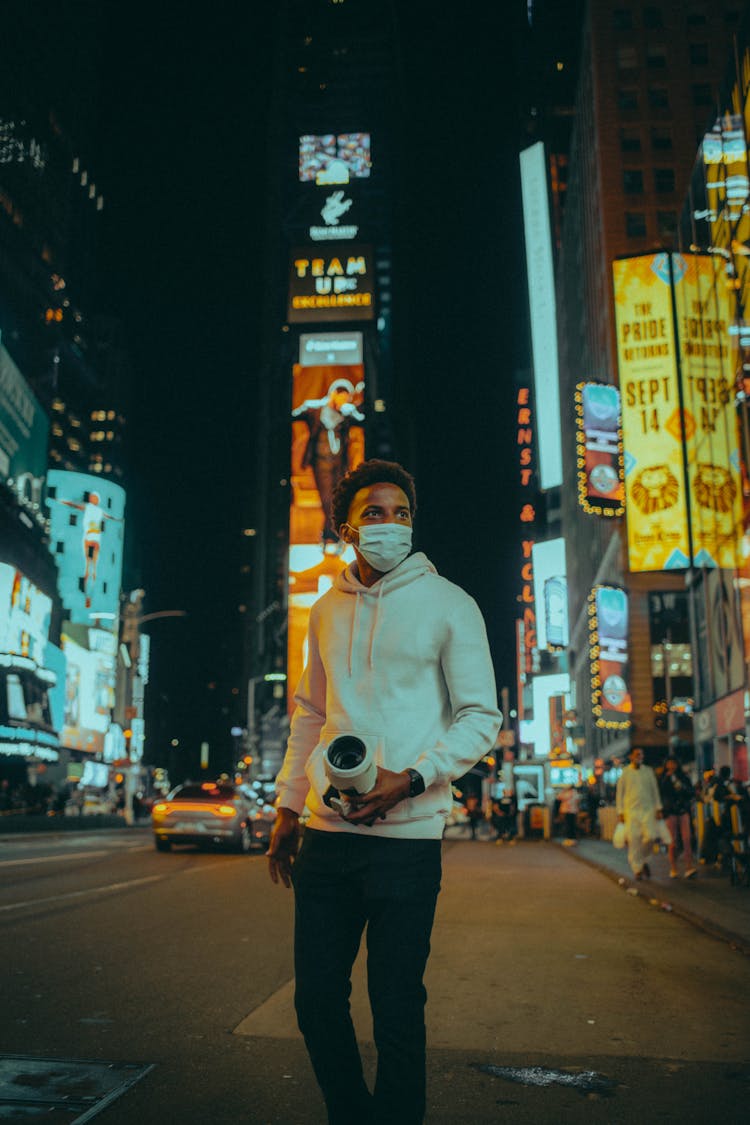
(400, 655)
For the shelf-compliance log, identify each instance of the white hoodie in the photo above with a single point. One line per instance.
(405, 661)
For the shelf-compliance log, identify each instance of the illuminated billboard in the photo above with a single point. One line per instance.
(334, 158)
(24, 431)
(86, 539)
(551, 594)
(28, 675)
(330, 348)
(702, 303)
(655, 494)
(331, 286)
(599, 458)
(609, 659)
(327, 442)
(89, 686)
(541, 288)
(339, 213)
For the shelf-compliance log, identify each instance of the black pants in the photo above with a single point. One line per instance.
(343, 883)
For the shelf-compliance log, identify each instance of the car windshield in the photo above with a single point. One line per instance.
(205, 792)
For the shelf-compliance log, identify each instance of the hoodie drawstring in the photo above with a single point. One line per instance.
(375, 622)
(354, 630)
(355, 625)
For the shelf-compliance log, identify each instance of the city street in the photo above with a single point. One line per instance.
(183, 962)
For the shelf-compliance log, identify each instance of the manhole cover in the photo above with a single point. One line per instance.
(68, 1091)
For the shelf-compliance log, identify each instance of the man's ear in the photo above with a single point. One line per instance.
(346, 533)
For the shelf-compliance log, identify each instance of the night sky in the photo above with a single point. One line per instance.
(172, 114)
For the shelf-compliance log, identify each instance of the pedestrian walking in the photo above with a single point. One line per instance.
(677, 792)
(638, 802)
(399, 654)
(569, 806)
(473, 813)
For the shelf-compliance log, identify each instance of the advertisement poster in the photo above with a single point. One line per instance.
(608, 647)
(703, 317)
(24, 615)
(656, 501)
(89, 687)
(334, 158)
(599, 458)
(86, 539)
(551, 593)
(328, 439)
(24, 431)
(28, 670)
(331, 284)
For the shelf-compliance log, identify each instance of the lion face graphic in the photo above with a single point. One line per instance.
(655, 489)
(714, 488)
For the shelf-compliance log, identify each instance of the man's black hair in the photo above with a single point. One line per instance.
(370, 472)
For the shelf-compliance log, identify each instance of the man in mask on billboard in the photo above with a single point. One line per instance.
(397, 659)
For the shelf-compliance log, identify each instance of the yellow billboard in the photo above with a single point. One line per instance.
(328, 440)
(655, 496)
(711, 435)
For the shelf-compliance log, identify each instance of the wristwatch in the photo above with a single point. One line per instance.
(416, 782)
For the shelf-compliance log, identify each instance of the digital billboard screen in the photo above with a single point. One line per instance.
(702, 302)
(331, 286)
(334, 158)
(24, 432)
(330, 348)
(540, 279)
(328, 440)
(609, 658)
(599, 456)
(89, 686)
(551, 593)
(28, 670)
(86, 538)
(656, 497)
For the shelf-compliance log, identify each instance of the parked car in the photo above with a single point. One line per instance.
(208, 812)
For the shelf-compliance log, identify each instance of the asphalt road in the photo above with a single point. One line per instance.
(114, 952)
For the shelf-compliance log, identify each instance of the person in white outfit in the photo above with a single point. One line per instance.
(400, 655)
(638, 802)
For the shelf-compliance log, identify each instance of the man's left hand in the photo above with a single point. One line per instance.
(390, 788)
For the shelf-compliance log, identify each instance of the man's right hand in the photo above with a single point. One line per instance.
(282, 849)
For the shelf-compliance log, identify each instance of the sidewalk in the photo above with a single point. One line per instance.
(709, 900)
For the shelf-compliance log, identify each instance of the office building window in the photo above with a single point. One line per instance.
(632, 181)
(653, 17)
(635, 224)
(663, 180)
(666, 224)
(661, 138)
(702, 94)
(658, 97)
(656, 57)
(622, 19)
(630, 140)
(627, 59)
(627, 98)
(699, 54)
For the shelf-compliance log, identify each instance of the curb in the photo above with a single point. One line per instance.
(735, 941)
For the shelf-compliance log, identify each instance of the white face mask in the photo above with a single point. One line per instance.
(384, 545)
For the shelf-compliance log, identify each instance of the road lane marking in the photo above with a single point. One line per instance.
(78, 894)
(50, 858)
